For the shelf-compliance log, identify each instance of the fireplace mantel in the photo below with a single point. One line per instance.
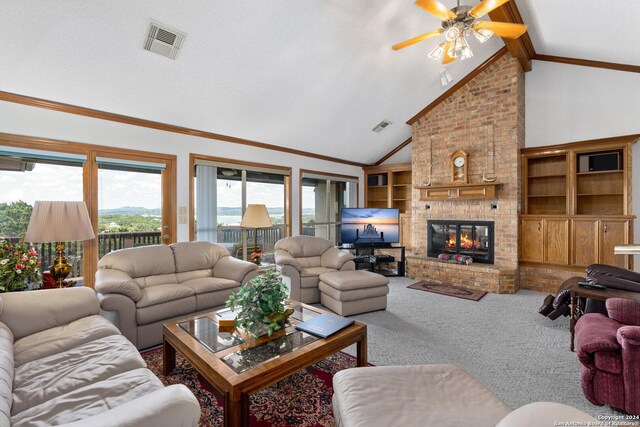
(476, 191)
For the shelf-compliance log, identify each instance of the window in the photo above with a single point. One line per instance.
(322, 199)
(30, 175)
(129, 195)
(223, 190)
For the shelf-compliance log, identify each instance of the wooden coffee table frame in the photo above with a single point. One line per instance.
(237, 388)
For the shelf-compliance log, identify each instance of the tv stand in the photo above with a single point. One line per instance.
(383, 259)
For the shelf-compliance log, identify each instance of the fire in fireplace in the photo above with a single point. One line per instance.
(472, 238)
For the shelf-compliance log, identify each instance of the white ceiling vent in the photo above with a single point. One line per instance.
(163, 40)
(381, 126)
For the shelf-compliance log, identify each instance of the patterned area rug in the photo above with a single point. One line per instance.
(301, 400)
(448, 290)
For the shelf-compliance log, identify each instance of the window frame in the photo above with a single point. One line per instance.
(331, 177)
(90, 184)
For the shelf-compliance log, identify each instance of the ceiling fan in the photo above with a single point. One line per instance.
(460, 22)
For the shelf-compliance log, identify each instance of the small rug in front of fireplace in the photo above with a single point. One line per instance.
(448, 290)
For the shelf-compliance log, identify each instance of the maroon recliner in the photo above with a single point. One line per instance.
(609, 351)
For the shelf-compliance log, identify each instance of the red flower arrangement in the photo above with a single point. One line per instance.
(19, 266)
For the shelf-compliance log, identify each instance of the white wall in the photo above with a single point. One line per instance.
(567, 103)
(402, 156)
(39, 122)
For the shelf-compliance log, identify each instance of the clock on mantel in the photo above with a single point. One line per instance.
(459, 167)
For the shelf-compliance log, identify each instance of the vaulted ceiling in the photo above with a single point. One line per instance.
(306, 74)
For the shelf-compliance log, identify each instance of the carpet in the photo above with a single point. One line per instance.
(448, 290)
(301, 400)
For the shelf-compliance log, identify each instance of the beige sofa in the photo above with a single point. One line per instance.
(63, 364)
(142, 288)
(441, 395)
(302, 259)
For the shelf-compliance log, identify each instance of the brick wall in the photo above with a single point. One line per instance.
(492, 101)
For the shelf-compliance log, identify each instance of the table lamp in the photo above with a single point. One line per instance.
(59, 222)
(256, 216)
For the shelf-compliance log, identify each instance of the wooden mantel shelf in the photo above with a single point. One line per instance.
(453, 191)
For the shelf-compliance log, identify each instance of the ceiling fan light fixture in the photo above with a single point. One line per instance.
(452, 33)
(482, 34)
(466, 53)
(437, 52)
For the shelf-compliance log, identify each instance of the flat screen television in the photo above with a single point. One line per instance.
(370, 226)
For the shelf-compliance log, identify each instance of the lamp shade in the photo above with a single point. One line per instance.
(55, 221)
(256, 216)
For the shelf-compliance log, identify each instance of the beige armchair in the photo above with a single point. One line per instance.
(142, 288)
(301, 259)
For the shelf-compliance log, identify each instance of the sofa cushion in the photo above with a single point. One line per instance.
(62, 338)
(309, 262)
(304, 246)
(427, 395)
(47, 378)
(195, 274)
(315, 271)
(141, 261)
(156, 279)
(159, 294)
(191, 256)
(164, 311)
(6, 373)
(87, 401)
(210, 284)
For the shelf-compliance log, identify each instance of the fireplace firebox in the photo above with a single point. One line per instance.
(472, 238)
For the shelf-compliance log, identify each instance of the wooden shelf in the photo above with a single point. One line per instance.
(476, 191)
(598, 172)
(555, 175)
(547, 195)
(377, 200)
(400, 200)
(377, 186)
(600, 194)
(402, 185)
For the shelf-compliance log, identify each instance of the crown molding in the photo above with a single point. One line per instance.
(480, 68)
(392, 152)
(119, 118)
(588, 63)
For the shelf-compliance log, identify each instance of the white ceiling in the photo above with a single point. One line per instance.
(307, 74)
(599, 30)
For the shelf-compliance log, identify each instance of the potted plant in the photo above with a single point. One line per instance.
(19, 267)
(261, 302)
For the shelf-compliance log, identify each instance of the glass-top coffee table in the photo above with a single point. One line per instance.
(238, 365)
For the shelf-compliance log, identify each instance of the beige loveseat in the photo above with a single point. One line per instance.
(63, 364)
(302, 259)
(147, 286)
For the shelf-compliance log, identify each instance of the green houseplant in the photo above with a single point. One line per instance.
(261, 303)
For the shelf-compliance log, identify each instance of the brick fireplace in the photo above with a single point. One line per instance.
(492, 100)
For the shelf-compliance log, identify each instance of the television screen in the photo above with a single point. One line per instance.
(365, 226)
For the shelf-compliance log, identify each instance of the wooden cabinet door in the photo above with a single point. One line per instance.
(613, 233)
(556, 241)
(585, 241)
(531, 240)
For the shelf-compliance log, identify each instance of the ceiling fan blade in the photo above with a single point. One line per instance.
(446, 59)
(437, 9)
(417, 39)
(485, 7)
(502, 29)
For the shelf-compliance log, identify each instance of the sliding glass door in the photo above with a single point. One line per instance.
(321, 202)
(222, 192)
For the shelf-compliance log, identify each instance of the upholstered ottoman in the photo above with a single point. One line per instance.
(414, 396)
(353, 292)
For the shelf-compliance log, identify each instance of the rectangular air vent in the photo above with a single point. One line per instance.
(163, 40)
(381, 126)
